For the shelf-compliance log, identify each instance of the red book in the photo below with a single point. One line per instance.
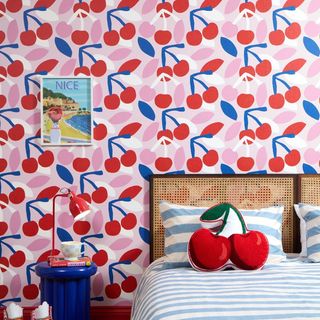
(59, 261)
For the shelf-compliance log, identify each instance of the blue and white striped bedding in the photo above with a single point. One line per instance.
(287, 290)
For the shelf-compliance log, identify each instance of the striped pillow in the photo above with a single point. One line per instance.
(311, 215)
(180, 222)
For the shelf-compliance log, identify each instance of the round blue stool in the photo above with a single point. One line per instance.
(67, 290)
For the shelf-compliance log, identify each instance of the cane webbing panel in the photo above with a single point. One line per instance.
(309, 187)
(243, 191)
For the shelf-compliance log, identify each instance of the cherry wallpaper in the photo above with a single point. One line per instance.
(178, 87)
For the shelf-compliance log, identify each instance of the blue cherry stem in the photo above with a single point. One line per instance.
(276, 78)
(247, 51)
(111, 206)
(84, 177)
(276, 15)
(111, 142)
(111, 78)
(14, 173)
(27, 78)
(193, 15)
(193, 79)
(193, 142)
(248, 113)
(165, 51)
(28, 143)
(112, 268)
(110, 14)
(29, 206)
(98, 236)
(165, 114)
(2, 302)
(82, 51)
(29, 268)
(26, 15)
(16, 236)
(276, 141)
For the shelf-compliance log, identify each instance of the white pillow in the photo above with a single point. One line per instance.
(311, 216)
(303, 234)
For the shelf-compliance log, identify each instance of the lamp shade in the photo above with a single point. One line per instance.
(79, 208)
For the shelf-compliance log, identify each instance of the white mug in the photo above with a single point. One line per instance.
(71, 250)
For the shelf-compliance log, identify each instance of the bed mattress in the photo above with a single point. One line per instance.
(287, 290)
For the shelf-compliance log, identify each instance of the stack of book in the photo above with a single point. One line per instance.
(60, 261)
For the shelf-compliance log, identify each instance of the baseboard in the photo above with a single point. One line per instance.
(96, 313)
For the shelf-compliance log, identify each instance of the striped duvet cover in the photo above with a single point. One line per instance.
(288, 290)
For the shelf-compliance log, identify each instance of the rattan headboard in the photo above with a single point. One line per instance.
(243, 191)
(309, 189)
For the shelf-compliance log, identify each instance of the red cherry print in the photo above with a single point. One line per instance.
(163, 163)
(245, 36)
(30, 165)
(276, 164)
(263, 5)
(129, 158)
(264, 131)
(165, 133)
(166, 70)
(15, 68)
(16, 133)
(293, 94)
(210, 31)
(194, 164)
(263, 68)
(276, 101)
(249, 6)
(113, 228)
(181, 132)
(181, 68)
(3, 136)
(4, 198)
(100, 132)
(245, 163)
(162, 37)
(129, 284)
(81, 164)
(249, 70)
(99, 68)
(210, 158)
(79, 37)
(164, 6)
(100, 258)
(180, 6)
(128, 31)
(245, 100)
(46, 158)
(30, 291)
(46, 222)
(194, 101)
(81, 227)
(100, 195)
(3, 291)
(17, 195)
(3, 227)
(111, 38)
(210, 95)
(2, 34)
(30, 228)
(3, 100)
(44, 32)
(247, 133)
(113, 291)
(293, 31)
(112, 165)
(112, 101)
(17, 259)
(292, 158)
(163, 100)
(29, 102)
(14, 5)
(129, 221)
(82, 70)
(3, 72)
(3, 164)
(81, 6)
(4, 261)
(194, 37)
(2, 8)
(98, 5)
(28, 38)
(128, 95)
(276, 37)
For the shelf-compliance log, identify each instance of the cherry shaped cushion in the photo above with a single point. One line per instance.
(249, 251)
(207, 251)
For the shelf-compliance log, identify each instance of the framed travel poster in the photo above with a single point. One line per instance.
(66, 113)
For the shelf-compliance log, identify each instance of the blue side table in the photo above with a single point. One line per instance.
(67, 290)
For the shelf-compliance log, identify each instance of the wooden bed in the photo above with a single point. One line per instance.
(243, 191)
